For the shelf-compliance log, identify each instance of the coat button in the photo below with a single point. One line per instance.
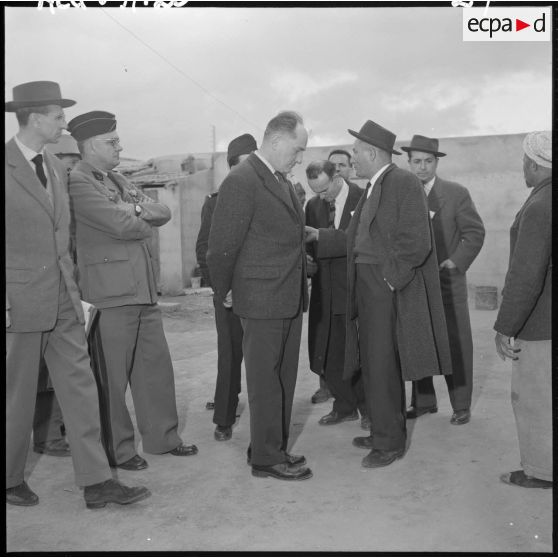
(105, 260)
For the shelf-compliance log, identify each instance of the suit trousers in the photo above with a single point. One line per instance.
(348, 394)
(136, 352)
(460, 382)
(271, 350)
(229, 364)
(384, 388)
(64, 349)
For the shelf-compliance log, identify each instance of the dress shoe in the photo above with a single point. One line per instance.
(21, 495)
(135, 463)
(183, 450)
(461, 417)
(416, 412)
(297, 460)
(335, 418)
(381, 458)
(321, 396)
(223, 433)
(56, 448)
(210, 405)
(112, 492)
(519, 478)
(365, 423)
(363, 442)
(282, 471)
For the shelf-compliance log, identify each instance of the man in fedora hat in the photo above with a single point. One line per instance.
(396, 329)
(44, 316)
(525, 316)
(229, 328)
(459, 236)
(114, 225)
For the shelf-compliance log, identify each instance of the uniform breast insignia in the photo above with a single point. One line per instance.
(98, 175)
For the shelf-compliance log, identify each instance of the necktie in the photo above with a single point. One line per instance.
(284, 184)
(38, 162)
(331, 221)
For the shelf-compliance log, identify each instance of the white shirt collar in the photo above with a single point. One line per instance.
(375, 177)
(28, 153)
(265, 162)
(428, 185)
(340, 201)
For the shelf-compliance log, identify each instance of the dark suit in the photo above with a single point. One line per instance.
(229, 333)
(328, 301)
(116, 275)
(459, 236)
(47, 320)
(401, 334)
(256, 249)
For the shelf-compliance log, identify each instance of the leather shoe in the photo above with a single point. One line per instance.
(381, 458)
(321, 396)
(282, 471)
(56, 448)
(335, 418)
(223, 433)
(113, 492)
(365, 423)
(297, 460)
(210, 405)
(21, 495)
(182, 450)
(519, 478)
(135, 463)
(363, 442)
(416, 412)
(461, 417)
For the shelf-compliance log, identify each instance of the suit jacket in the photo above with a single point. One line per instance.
(526, 309)
(37, 243)
(329, 284)
(401, 224)
(256, 244)
(458, 234)
(203, 235)
(116, 267)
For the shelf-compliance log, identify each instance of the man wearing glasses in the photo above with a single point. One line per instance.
(114, 225)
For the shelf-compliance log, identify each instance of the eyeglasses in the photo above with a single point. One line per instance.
(115, 142)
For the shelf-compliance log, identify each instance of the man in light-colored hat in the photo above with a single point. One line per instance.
(396, 329)
(44, 316)
(229, 328)
(114, 224)
(524, 322)
(459, 236)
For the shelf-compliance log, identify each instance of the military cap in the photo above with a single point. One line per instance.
(242, 145)
(91, 124)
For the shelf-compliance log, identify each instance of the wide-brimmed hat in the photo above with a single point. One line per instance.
(90, 124)
(37, 94)
(242, 145)
(424, 144)
(376, 135)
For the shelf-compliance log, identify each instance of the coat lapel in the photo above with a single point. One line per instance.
(376, 194)
(436, 197)
(351, 202)
(26, 177)
(58, 191)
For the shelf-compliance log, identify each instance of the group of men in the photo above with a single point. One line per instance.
(388, 301)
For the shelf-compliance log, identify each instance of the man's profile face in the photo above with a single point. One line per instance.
(107, 148)
(342, 165)
(51, 125)
(363, 160)
(289, 150)
(527, 171)
(423, 165)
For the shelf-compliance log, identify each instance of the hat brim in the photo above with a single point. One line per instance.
(375, 143)
(435, 153)
(12, 106)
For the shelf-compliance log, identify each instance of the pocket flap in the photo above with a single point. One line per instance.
(105, 254)
(18, 275)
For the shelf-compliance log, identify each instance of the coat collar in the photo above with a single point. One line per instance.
(436, 198)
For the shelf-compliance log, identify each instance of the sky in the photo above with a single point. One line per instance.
(175, 77)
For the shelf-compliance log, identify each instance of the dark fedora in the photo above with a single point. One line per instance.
(376, 135)
(424, 144)
(37, 94)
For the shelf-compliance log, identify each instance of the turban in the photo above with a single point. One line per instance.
(538, 147)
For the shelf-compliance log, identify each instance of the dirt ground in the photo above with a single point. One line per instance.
(444, 496)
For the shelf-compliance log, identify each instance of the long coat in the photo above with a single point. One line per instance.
(256, 244)
(37, 243)
(411, 267)
(116, 266)
(458, 234)
(329, 284)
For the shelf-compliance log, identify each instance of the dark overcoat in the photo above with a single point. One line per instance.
(401, 217)
(256, 244)
(329, 285)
